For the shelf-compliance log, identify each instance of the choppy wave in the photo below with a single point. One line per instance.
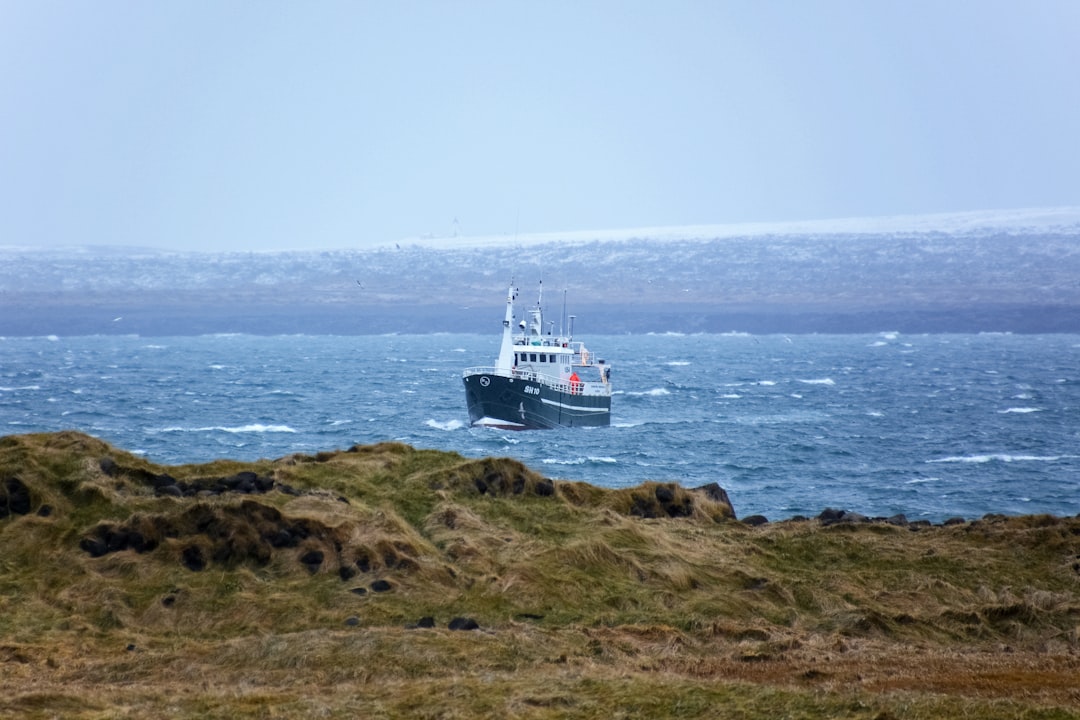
(444, 425)
(998, 457)
(252, 428)
(579, 460)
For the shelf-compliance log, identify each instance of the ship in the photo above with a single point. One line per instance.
(540, 380)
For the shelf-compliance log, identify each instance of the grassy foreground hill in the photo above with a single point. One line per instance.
(385, 581)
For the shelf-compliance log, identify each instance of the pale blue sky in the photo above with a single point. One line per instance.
(210, 125)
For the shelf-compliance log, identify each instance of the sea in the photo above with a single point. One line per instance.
(929, 426)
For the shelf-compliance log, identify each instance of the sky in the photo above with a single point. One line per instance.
(223, 125)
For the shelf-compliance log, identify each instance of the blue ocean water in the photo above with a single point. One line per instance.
(932, 426)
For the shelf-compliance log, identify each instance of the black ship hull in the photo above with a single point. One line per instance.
(515, 403)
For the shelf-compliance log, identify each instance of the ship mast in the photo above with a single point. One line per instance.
(506, 350)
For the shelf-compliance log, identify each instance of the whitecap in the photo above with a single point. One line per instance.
(252, 428)
(1021, 410)
(677, 363)
(797, 396)
(878, 343)
(447, 425)
(654, 392)
(1000, 457)
(731, 396)
(821, 381)
(875, 413)
(766, 383)
(580, 460)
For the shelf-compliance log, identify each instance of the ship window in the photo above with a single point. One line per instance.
(532, 357)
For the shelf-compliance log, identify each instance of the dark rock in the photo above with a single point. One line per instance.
(287, 489)
(352, 621)
(116, 539)
(243, 482)
(359, 591)
(426, 622)
(109, 466)
(131, 647)
(96, 547)
(16, 497)
(665, 493)
(830, 516)
(346, 573)
(139, 542)
(545, 488)
(529, 616)
(312, 557)
(955, 521)
(381, 586)
(854, 517)
(679, 509)
(168, 600)
(463, 623)
(45, 511)
(642, 506)
(282, 537)
(899, 519)
(162, 480)
(519, 485)
(312, 560)
(170, 490)
(755, 520)
(363, 563)
(264, 484)
(714, 492)
(193, 559)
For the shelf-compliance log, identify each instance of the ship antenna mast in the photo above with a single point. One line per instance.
(562, 317)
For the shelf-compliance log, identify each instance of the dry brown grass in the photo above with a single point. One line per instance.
(643, 602)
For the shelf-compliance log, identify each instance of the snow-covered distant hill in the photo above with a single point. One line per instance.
(1016, 271)
(982, 222)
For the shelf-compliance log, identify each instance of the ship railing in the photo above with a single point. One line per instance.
(582, 387)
